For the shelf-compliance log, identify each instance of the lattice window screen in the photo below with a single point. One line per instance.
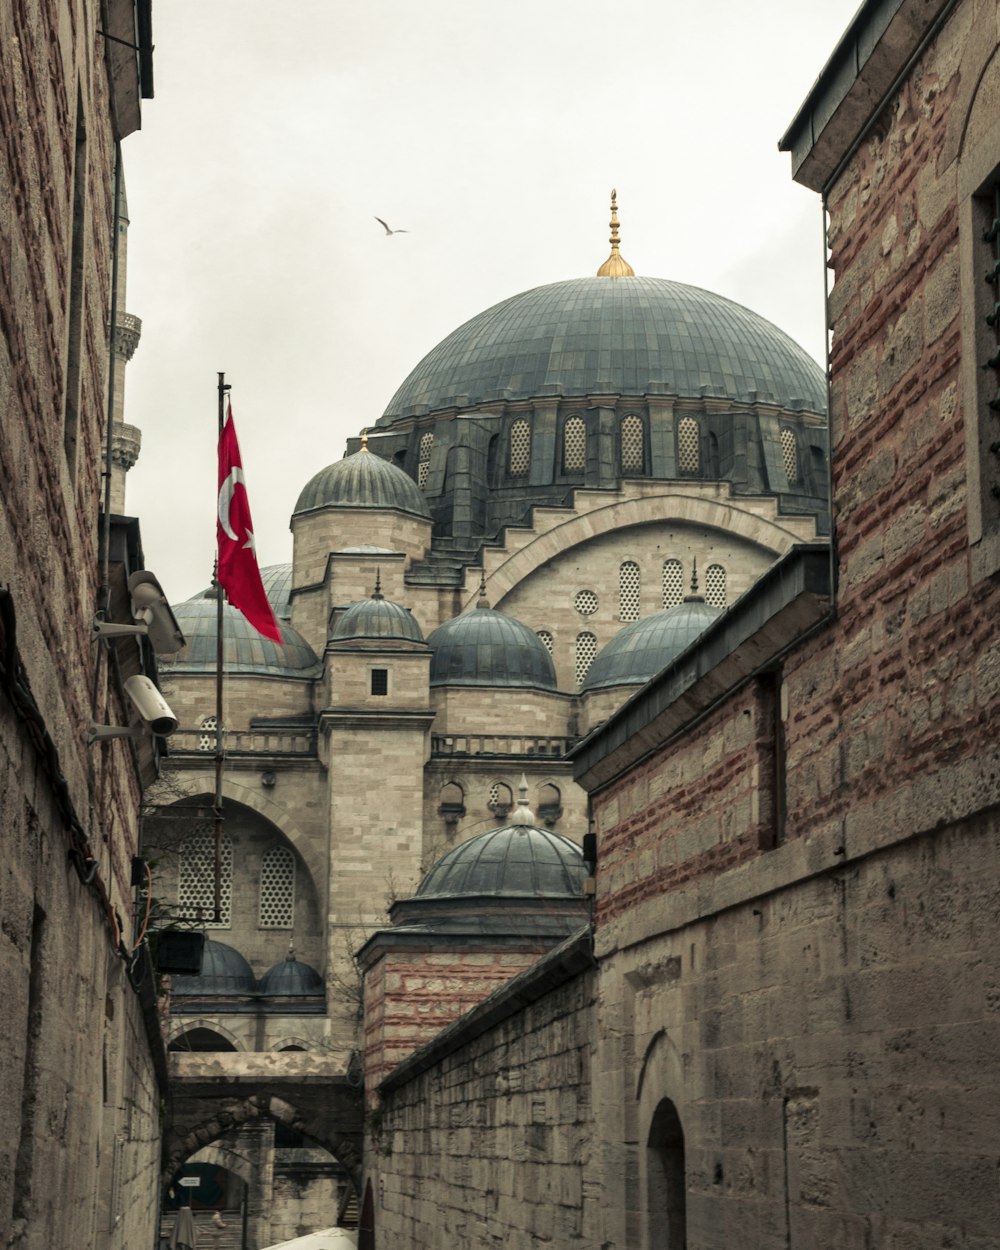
(632, 450)
(424, 458)
(277, 889)
(715, 586)
(586, 649)
(628, 591)
(790, 454)
(196, 883)
(546, 638)
(500, 795)
(673, 583)
(574, 445)
(520, 448)
(688, 446)
(585, 602)
(206, 736)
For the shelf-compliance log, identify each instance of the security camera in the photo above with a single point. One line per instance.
(151, 612)
(151, 705)
(150, 608)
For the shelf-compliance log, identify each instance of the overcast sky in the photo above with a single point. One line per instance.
(493, 133)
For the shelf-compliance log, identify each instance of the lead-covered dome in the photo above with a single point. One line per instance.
(244, 650)
(638, 652)
(291, 978)
(362, 480)
(620, 336)
(483, 647)
(519, 861)
(377, 618)
(224, 972)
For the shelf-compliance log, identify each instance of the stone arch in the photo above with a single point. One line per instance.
(979, 50)
(292, 1042)
(185, 1025)
(772, 533)
(661, 1116)
(257, 800)
(184, 1140)
(223, 1157)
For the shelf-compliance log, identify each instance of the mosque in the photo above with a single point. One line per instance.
(558, 500)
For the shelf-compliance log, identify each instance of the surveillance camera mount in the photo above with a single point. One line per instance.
(102, 733)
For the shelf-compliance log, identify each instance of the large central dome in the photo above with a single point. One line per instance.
(618, 336)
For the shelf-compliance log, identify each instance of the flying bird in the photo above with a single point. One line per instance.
(385, 227)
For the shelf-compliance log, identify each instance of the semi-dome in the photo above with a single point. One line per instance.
(377, 618)
(291, 978)
(244, 650)
(362, 480)
(224, 971)
(620, 336)
(638, 652)
(520, 861)
(483, 647)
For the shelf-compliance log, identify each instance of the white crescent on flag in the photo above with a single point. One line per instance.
(226, 498)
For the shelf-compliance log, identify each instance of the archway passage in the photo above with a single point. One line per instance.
(666, 1197)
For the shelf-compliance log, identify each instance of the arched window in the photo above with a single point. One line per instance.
(520, 448)
(206, 733)
(666, 1188)
(546, 639)
(196, 878)
(277, 888)
(715, 586)
(452, 802)
(574, 445)
(688, 447)
(585, 650)
(549, 804)
(673, 583)
(632, 444)
(628, 591)
(500, 800)
(790, 454)
(424, 458)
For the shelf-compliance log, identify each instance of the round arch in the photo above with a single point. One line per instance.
(770, 533)
(183, 1141)
(185, 1024)
(257, 801)
(661, 1118)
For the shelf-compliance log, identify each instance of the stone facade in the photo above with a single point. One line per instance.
(797, 826)
(82, 1070)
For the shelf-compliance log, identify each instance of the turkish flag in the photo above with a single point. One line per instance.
(238, 573)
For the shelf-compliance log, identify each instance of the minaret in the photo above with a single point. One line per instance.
(616, 266)
(125, 439)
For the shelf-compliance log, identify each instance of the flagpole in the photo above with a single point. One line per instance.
(223, 388)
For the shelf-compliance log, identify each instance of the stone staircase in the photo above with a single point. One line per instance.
(210, 1236)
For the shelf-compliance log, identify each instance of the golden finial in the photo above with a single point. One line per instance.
(482, 601)
(364, 439)
(616, 266)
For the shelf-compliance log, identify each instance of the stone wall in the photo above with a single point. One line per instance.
(487, 1139)
(79, 1093)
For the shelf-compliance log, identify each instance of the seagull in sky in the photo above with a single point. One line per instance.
(385, 227)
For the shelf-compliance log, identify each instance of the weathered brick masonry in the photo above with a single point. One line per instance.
(793, 1014)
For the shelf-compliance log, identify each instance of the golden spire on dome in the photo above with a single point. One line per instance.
(364, 439)
(616, 266)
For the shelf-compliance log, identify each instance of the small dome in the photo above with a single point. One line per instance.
(291, 977)
(377, 618)
(363, 480)
(224, 971)
(641, 649)
(277, 579)
(517, 861)
(483, 647)
(244, 650)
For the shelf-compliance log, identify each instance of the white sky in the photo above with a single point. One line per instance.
(493, 132)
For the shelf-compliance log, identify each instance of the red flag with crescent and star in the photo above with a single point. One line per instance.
(239, 574)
